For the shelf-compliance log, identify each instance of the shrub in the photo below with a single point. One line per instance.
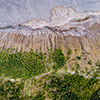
(78, 57)
(59, 57)
(90, 62)
(69, 52)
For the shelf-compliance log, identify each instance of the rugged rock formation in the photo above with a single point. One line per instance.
(67, 29)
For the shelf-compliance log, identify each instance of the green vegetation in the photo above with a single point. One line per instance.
(69, 53)
(21, 64)
(39, 96)
(59, 57)
(73, 87)
(78, 57)
(27, 64)
(46, 76)
(55, 87)
(11, 90)
(90, 62)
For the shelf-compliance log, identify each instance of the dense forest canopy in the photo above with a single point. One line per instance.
(45, 76)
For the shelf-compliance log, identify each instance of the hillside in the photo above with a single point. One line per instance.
(51, 60)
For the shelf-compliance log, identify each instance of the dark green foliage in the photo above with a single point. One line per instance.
(96, 95)
(39, 96)
(69, 96)
(22, 64)
(98, 64)
(73, 87)
(55, 85)
(63, 87)
(11, 90)
(59, 57)
(78, 66)
(78, 57)
(27, 64)
(75, 50)
(68, 57)
(90, 62)
(55, 67)
(69, 52)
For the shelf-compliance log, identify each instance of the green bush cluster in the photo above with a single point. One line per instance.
(73, 87)
(11, 90)
(27, 64)
(69, 52)
(21, 64)
(59, 57)
(55, 87)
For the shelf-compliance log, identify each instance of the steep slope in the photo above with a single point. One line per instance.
(67, 29)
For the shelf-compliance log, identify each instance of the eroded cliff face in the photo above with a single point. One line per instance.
(67, 29)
